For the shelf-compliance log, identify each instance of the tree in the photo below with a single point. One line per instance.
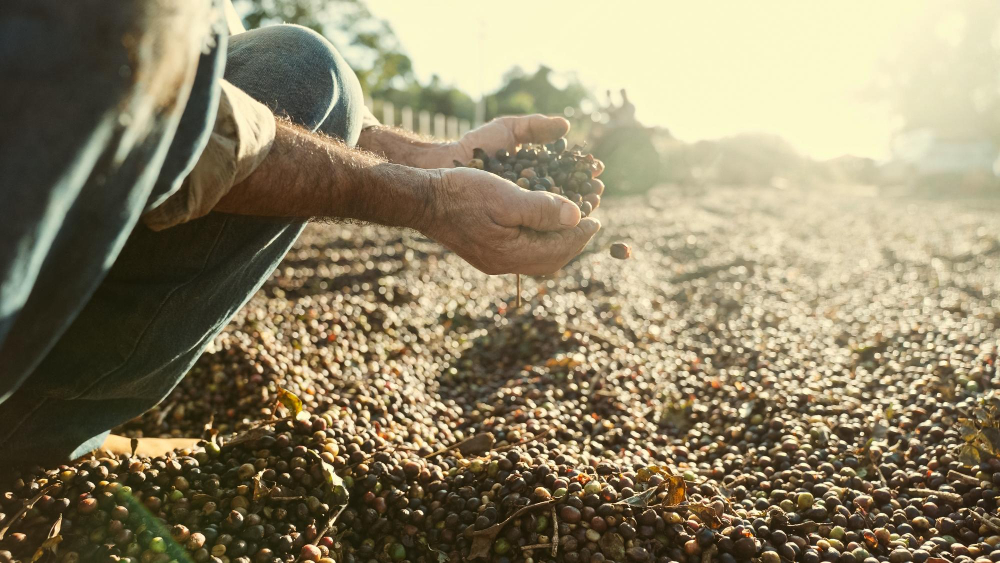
(523, 93)
(368, 43)
(386, 71)
(947, 79)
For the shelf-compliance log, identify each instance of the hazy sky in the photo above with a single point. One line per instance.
(703, 69)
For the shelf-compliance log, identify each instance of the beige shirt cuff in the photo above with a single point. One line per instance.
(368, 119)
(241, 139)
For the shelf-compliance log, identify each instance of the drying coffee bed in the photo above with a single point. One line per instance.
(772, 376)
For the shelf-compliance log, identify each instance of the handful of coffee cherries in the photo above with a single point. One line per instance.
(550, 167)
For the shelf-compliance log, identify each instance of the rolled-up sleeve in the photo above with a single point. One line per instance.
(241, 138)
(368, 119)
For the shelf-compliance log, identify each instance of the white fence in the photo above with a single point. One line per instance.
(437, 125)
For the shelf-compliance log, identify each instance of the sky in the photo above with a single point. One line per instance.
(703, 69)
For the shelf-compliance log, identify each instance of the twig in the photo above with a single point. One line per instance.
(528, 440)
(963, 478)
(264, 423)
(990, 523)
(253, 433)
(555, 532)
(329, 525)
(535, 546)
(26, 508)
(164, 412)
(952, 498)
(464, 447)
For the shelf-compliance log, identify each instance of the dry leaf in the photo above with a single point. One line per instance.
(706, 514)
(645, 473)
(676, 490)
(51, 543)
(290, 401)
(641, 499)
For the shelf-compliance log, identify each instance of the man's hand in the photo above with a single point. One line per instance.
(492, 223)
(500, 228)
(507, 133)
(402, 147)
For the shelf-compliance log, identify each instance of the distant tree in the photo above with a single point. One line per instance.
(386, 71)
(435, 97)
(947, 77)
(368, 43)
(521, 92)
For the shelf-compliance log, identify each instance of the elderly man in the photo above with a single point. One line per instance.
(154, 169)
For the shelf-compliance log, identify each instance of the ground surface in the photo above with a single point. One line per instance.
(775, 375)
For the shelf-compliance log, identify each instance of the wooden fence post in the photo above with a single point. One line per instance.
(406, 118)
(439, 126)
(388, 114)
(480, 112)
(425, 123)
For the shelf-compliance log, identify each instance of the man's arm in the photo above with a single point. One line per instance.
(490, 222)
(404, 147)
(307, 175)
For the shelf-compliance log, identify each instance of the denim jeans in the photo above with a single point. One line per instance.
(166, 294)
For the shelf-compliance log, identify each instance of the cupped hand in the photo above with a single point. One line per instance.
(508, 133)
(500, 228)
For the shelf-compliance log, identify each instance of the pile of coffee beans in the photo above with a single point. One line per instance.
(776, 377)
(550, 167)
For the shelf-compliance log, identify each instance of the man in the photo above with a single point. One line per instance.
(153, 172)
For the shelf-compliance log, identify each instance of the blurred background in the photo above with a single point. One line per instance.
(903, 97)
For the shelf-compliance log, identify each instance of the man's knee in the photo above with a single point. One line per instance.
(299, 74)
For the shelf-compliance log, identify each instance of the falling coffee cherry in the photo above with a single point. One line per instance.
(621, 251)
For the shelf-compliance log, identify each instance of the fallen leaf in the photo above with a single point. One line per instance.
(645, 473)
(260, 490)
(612, 546)
(676, 490)
(50, 545)
(705, 513)
(290, 401)
(641, 499)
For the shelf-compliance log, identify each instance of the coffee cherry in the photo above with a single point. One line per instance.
(621, 250)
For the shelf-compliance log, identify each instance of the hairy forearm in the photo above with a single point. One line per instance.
(403, 147)
(307, 175)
